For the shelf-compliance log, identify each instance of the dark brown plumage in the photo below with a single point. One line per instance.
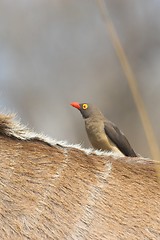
(102, 133)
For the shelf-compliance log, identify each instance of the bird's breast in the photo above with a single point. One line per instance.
(97, 136)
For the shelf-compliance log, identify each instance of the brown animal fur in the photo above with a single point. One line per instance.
(51, 191)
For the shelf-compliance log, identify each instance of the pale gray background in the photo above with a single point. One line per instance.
(55, 52)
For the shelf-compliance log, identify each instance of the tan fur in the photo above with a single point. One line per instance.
(53, 192)
(14, 129)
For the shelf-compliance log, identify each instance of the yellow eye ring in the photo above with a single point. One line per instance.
(85, 106)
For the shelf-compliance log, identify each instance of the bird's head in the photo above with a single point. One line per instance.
(86, 109)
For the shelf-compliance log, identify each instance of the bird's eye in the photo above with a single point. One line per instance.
(85, 106)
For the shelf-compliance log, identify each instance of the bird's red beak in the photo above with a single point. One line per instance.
(76, 105)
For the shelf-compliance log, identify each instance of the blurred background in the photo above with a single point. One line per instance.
(55, 52)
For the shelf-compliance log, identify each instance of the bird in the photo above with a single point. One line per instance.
(102, 133)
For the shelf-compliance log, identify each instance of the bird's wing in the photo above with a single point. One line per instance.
(119, 139)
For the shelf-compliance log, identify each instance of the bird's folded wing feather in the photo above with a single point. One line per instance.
(119, 139)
